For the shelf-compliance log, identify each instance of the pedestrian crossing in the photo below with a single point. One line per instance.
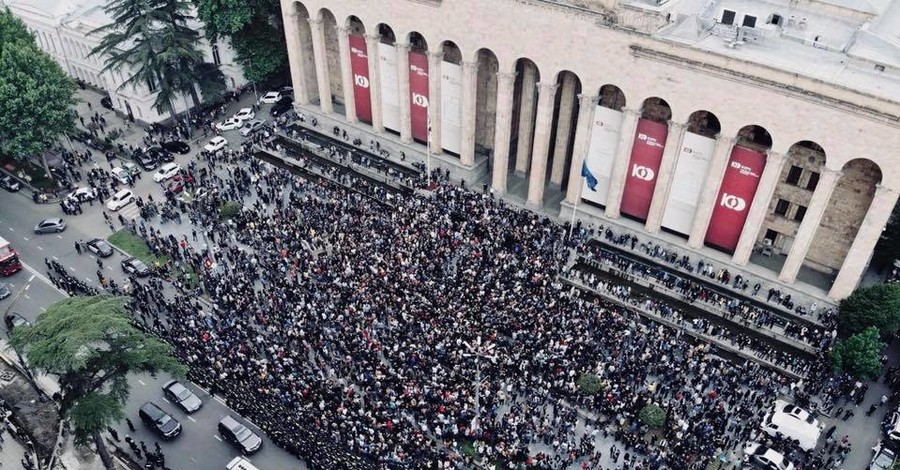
(130, 212)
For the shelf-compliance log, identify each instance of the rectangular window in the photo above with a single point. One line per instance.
(771, 235)
(801, 212)
(793, 177)
(781, 207)
(813, 181)
(151, 86)
(728, 17)
(215, 54)
(749, 21)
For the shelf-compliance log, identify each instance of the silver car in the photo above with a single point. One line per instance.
(54, 225)
(182, 396)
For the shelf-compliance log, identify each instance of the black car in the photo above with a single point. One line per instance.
(239, 436)
(177, 146)
(13, 320)
(146, 161)
(161, 422)
(106, 102)
(282, 106)
(100, 247)
(135, 266)
(10, 184)
(161, 154)
(182, 396)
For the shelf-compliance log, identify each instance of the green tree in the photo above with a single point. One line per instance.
(256, 32)
(888, 248)
(653, 416)
(877, 305)
(92, 345)
(37, 95)
(859, 355)
(590, 384)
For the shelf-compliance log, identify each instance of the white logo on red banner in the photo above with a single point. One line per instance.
(420, 100)
(743, 169)
(735, 203)
(642, 172)
(361, 81)
(358, 53)
(651, 141)
(418, 70)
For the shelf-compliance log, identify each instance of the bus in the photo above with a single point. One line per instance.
(9, 259)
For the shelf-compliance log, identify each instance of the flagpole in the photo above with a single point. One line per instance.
(574, 210)
(428, 153)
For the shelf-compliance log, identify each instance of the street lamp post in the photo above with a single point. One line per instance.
(479, 350)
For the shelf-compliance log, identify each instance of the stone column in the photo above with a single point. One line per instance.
(768, 181)
(857, 259)
(664, 176)
(710, 190)
(318, 40)
(506, 82)
(347, 75)
(620, 166)
(295, 56)
(526, 120)
(563, 128)
(469, 91)
(586, 105)
(434, 100)
(538, 172)
(372, 42)
(403, 77)
(827, 181)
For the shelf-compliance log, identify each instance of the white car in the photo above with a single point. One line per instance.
(120, 200)
(215, 144)
(760, 456)
(166, 171)
(229, 124)
(245, 114)
(252, 126)
(271, 97)
(82, 195)
(787, 420)
(121, 174)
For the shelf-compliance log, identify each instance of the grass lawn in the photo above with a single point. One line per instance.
(135, 246)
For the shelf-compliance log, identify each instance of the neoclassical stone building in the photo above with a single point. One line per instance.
(736, 128)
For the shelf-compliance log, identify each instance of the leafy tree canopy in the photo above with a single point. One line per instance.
(859, 355)
(653, 416)
(255, 30)
(877, 305)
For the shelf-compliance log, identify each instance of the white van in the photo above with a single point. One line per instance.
(792, 422)
(240, 463)
(120, 200)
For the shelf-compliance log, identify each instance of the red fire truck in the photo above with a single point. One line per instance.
(9, 259)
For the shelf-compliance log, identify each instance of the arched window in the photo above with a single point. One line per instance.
(215, 54)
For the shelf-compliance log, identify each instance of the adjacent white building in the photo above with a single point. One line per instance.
(63, 28)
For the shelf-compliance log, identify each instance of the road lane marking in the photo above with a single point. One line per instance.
(109, 268)
(25, 238)
(216, 398)
(73, 269)
(39, 248)
(31, 279)
(11, 229)
(26, 296)
(89, 279)
(192, 419)
(43, 309)
(193, 460)
(141, 382)
(55, 259)
(59, 236)
(167, 400)
(217, 437)
(44, 278)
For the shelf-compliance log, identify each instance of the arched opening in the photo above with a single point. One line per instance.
(647, 151)
(563, 134)
(419, 86)
(417, 42)
(656, 109)
(333, 57)
(356, 26)
(754, 137)
(450, 104)
(360, 75)
(308, 65)
(389, 80)
(387, 34)
(612, 97)
(486, 101)
(524, 107)
(603, 143)
(451, 53)
(698, 145)
(847, 207)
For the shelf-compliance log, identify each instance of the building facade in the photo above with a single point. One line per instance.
(737, 126)
(62, 28)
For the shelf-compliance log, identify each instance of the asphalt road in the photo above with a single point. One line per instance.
(198, 447)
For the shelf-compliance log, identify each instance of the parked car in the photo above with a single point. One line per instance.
(148, 162)
(122, 175)
(240, 463)
(82, 195)
(132, 265)
(120, 200)
(176, 146)
(229, 124)
(54, 225)
(271, 97)
(282, 106)
(100, 247)
(245, 114)
(159, 421)
(182, 396)
(883, 460)
(4, 290)
(792, 422)
(166, 171)
(106, 102)
(161, 154)
(215, 144)
(764, 458)
(14, 320)
(252, 126)
(239, 435)
(10, 184)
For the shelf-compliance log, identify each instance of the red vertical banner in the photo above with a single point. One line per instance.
(646, 155)
(418, 95)
(735, 196)
(359, 66)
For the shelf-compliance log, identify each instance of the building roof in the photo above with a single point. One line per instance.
(850, 43)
